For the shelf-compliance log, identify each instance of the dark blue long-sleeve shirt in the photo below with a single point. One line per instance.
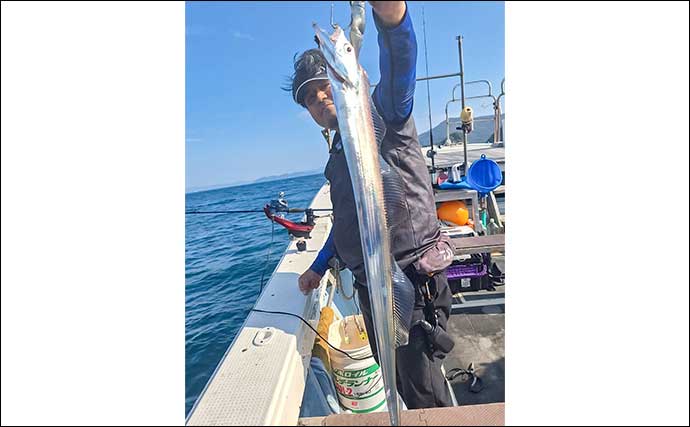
(393, 96)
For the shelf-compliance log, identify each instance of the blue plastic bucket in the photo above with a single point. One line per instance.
(484, 175)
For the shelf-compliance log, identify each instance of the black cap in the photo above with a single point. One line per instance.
(311, 65)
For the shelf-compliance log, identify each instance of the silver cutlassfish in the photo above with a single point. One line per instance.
(391, 293)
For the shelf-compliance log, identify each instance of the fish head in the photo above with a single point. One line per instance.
(340, 55)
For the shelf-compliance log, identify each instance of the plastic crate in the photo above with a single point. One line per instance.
(463, 271)
(469, 274)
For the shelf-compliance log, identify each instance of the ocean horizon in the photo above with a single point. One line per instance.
(256, 181)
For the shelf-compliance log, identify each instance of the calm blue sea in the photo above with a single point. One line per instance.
(224, 259)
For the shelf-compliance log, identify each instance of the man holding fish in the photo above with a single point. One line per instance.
(413, 238)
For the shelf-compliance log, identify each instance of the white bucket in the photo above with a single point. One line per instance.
(358, 383)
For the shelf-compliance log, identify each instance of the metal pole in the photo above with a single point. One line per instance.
(498, 103)
(448, 122)
(462, 97)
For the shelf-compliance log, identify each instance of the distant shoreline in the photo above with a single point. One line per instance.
(257, 181)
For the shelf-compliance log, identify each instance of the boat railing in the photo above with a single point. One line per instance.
(499, 121)
(453, 99)
(488, 84)
(498, 129)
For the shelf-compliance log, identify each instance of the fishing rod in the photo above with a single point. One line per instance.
(278, 205)
(431, 153)
(291, 210)
(273, 212)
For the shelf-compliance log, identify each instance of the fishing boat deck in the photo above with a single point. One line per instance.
(448, 155)
(479, 339)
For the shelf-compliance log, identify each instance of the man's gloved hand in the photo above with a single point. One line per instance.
(309, 280)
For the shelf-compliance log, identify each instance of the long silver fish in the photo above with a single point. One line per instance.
(391, 293)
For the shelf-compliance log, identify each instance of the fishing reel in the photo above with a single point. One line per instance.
(279, 205)
(275, 209)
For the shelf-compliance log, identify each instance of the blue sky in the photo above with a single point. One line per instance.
(241, 126)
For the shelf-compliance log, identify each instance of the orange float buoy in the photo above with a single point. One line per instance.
(454, 211)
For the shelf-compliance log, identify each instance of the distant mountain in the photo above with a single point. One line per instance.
(215, 187)
(288, 175)
(483, 131)
(262, 179)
